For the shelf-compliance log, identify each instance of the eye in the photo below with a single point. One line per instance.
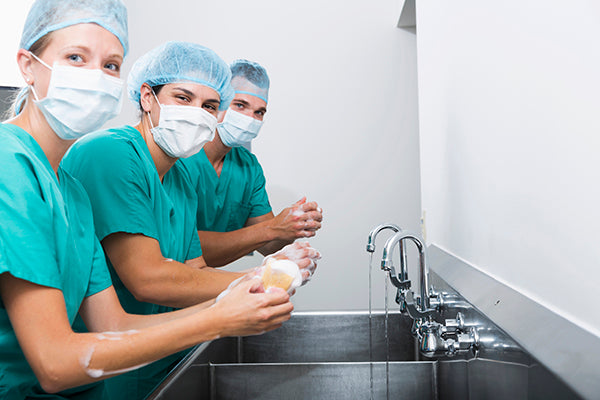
(210, 107)
(75, 58)
(259, 113)
(239, 106)
(182, 98)
(113, 67)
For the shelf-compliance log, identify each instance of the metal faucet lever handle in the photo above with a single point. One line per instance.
(455, 325)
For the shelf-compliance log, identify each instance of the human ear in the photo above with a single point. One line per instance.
(146, 97)
(24, 62)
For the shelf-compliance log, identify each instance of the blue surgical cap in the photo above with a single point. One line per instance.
(46, 16)
(250, 78)
(181, 62)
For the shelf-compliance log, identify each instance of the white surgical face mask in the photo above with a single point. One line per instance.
(182, 131)
(238, 129)
(79, 100)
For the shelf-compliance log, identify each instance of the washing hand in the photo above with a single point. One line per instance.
(302, 254)
(300, 220)
(248, 310)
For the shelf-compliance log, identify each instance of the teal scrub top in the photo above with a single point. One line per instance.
(47, 238)
(225, 203)
(117, 170)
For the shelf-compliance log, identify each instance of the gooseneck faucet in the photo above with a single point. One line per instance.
(375, 231)
(387, 263)
(403, 277)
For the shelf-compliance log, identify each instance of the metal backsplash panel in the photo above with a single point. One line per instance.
(566, 349)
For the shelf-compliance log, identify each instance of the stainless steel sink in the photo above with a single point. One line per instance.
(304, 381)
(326, 356)
(314, 355)
(325, 337)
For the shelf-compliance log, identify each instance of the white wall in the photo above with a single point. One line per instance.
(342, 121)
(509, 105)
(14, 14)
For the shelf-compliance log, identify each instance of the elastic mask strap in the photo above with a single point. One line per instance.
(148, 112)
(34, 93)
(45, 65)
(150, 119)
(41, 61)
(156, 98)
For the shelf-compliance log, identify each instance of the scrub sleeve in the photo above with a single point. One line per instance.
(46, 238)
(225, 203)
(118, 172)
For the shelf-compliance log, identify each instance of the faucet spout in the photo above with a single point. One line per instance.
(375, 231)
(387, 264)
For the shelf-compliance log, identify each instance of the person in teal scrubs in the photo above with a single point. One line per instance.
(142, 196)
(234, 217)
(51, 263)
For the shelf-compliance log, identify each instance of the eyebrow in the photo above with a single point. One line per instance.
(185, 91)
(73, 47)
(116, 56)
(244, 102)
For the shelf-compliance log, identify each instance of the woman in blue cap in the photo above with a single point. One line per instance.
(51, 263)
(142, 196)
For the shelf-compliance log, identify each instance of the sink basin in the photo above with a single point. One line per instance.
(326, 355)
(299, 381)
(323, 337)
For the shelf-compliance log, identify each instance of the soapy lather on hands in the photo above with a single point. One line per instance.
(302, 254)
(287, 269)
(283, 274)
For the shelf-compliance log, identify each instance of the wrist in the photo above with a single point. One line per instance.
(269, 231)
(215, 322)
